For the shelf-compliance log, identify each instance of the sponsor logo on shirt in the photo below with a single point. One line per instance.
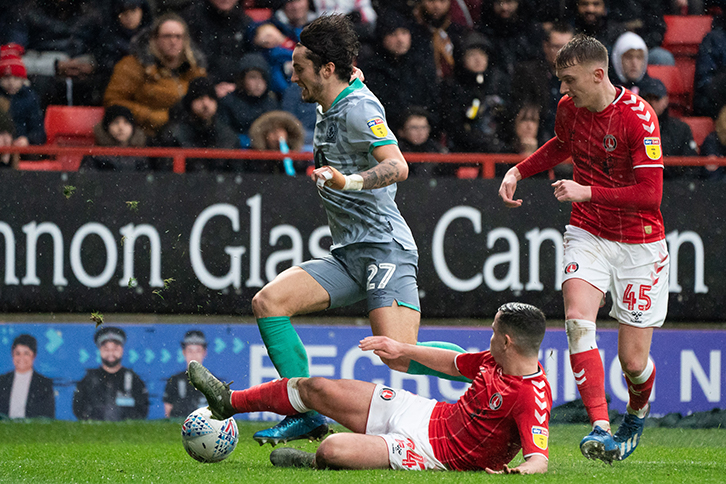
(540, 436)
(571, 267)
(652, 148)
(387, 394)
(378, 127)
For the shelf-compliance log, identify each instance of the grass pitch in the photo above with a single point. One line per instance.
(151, 452)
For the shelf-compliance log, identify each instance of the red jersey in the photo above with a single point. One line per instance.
(498, 415)
(618, 153)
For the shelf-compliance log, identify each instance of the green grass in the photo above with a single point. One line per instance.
(151, 452)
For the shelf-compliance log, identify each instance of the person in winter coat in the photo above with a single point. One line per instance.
(400, 74)
(20, 99)
(630, 62)
(58, 37)
(128, 19)
(475, 101)
(710, 78)
(676, 136)
(220, 29)
(197, 125)
(155, 76)
(251, 97)
(117, 128)
(269, 132)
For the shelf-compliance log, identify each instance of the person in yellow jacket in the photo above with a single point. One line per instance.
(156, 74)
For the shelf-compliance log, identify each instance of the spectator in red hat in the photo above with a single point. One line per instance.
(58, 36)
(18, 99)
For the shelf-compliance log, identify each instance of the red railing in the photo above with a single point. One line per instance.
(487, 162)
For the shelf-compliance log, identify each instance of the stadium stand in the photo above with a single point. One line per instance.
(67, 126)
(700, 126)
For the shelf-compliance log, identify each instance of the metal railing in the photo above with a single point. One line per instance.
(70, 157)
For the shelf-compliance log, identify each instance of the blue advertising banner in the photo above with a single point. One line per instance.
(690, 371)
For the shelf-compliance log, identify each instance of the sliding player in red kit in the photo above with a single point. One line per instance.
(615, 240)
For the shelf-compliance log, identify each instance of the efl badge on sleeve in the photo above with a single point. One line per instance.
(539, 437)
(378, 126)
(652, 148)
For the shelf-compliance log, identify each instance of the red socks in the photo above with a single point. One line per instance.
(640, 392)
(590, 378)
(266, 397)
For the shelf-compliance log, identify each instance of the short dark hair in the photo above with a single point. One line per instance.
(26, 340)
(331, 38)
(194, 337)
(526, 325)
(560, 27)
(582, 48)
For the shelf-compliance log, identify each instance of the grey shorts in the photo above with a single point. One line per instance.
(381, 273)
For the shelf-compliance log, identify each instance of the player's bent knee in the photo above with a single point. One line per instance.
(329, 454)
(312, 389)
(263, 304)
(633, 366)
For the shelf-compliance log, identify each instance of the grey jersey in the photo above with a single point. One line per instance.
(345, 136)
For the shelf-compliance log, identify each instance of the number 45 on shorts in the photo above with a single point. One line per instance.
(631, 300)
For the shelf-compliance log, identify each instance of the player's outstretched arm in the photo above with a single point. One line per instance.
(435, 358)
(536, 464)
(508, 187)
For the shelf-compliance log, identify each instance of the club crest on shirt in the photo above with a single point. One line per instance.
(331, 134)
(571, 267)
(540, 436)
(610, 143)
(652, 148)
(496, 401)
(387, 393)
(378, 127)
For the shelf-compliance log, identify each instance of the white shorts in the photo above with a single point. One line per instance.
(635, 274)
(401, 419)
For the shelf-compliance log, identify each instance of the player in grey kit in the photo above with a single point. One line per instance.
(373, 256)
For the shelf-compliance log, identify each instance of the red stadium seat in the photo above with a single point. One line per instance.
(685, 32)
(680, 98)
(71, 126)
(701, 126)
(468, 172)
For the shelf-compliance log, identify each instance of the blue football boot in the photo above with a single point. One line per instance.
(311, 425)
(599, 444)
(628, 435)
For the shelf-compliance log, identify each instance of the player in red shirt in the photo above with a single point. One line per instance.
(506, 409)
(615, 240)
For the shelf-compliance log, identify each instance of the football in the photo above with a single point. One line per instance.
(207, 439)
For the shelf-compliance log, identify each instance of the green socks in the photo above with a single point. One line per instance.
(416, 368)
(291, 360)
(284, 347)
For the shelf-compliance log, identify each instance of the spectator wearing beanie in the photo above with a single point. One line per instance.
(196, 124)
(402, 72)
(252, 96)
(18, 99)
(118, 128)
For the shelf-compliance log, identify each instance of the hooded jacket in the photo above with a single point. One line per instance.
(628, 41)
(238, 109)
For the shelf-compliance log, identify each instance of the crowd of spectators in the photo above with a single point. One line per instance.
(477, 73)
